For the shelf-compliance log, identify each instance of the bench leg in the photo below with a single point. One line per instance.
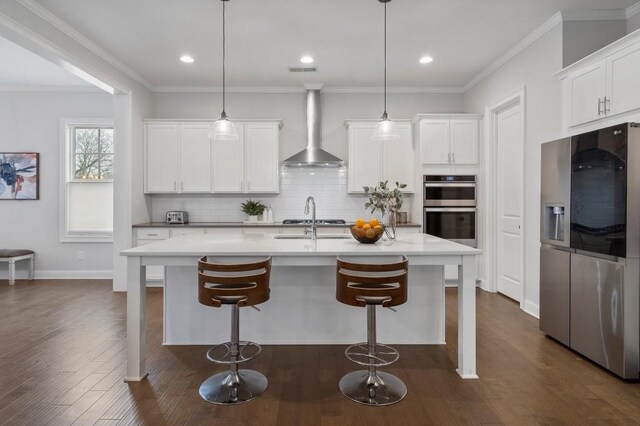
(32, 265)
(12, 272)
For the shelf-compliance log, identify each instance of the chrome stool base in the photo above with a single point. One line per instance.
(378, 388)
(233, 388)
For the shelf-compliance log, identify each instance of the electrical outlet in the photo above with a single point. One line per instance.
(80, 254)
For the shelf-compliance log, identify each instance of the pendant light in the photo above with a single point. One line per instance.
(385, 129)
(223, 129)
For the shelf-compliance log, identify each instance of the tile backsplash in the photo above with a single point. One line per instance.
(328, 186)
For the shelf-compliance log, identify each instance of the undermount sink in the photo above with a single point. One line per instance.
(307, 237)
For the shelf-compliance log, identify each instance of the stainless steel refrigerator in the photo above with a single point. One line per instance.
(590, 246)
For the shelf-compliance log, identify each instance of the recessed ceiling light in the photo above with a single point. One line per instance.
(186, 59)
(426, 60)
(306, 60)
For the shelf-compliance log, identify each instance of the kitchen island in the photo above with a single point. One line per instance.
(302, 308)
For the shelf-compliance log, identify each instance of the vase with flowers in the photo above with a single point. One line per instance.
(387, 201)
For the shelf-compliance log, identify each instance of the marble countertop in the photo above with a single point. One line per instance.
(248, 225)
(264, 244)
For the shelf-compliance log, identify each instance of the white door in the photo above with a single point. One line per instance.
(509, 199)
(587, 90)
(195, 158)
(398, 159)
(623, 90)
(162, 158)
(464, 141)
(435, 141)
(365, 158)
(262, 171)
(228, 164)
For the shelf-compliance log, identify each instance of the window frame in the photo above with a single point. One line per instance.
(67, 176)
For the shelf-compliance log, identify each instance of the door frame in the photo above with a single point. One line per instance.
(491, 219)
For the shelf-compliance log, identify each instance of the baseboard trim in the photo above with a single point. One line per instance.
(61, 275)
(532, 309)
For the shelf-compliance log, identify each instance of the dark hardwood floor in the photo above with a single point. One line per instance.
(62, 361)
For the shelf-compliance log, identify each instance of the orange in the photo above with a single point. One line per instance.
(379, 230)
(367, 226)
(360, 232)
(354, 228)
(370, 233)
(374, 222)
(360, 223)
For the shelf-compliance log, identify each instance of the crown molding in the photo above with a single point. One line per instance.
(51, 89)
(595, 15)
(65, 28)
(298, 89)
(632, 10)
(547, 26)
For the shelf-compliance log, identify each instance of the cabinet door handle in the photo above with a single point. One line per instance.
(181, 186)
(600, 102)
(453, 157)
(607, 105)
(449, 157)
(175, 187)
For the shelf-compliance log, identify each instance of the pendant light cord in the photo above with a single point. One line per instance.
(224, 54)
(385, 60)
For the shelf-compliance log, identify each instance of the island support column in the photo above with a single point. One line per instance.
(467, 318)
(136, 320)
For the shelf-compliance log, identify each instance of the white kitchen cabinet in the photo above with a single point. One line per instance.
(602, 89)
(435, 141)
(195, 158)
(371, 161)
(161, 146)
(623, 88)
(587, 90)
(177, 158)
(262, 168)
(228, 164)
(449, 139)
(249, 164)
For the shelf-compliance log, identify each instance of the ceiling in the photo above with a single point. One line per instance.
(345, 38)
(20, 68)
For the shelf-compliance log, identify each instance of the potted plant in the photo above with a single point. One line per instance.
(387, 201)
(253, 209)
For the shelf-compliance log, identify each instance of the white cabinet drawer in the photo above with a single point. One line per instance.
(186, 231)
(152, 234)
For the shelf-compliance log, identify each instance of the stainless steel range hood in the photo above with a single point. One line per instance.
(313, 155)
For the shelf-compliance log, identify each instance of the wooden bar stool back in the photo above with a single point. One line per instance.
(245, 284)
(371, 285)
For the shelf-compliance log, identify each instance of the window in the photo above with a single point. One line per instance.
(87, 165)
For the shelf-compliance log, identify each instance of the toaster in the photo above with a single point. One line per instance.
(177, 218)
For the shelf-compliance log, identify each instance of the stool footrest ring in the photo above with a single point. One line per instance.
(223, 354)
(383, 355)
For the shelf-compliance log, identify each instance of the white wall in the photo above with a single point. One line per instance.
(533, 68)
(31, 122)
(582, 38)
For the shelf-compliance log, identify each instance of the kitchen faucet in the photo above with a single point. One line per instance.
(314, 227)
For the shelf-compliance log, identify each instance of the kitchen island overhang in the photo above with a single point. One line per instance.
(302, 308)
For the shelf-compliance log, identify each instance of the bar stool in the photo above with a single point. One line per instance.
(236, 285)
(372, 285)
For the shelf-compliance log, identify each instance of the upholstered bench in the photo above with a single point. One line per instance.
(13, 256)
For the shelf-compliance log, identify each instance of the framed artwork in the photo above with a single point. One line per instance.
(19, 175)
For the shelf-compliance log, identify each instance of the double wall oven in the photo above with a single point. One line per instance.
(450, 208)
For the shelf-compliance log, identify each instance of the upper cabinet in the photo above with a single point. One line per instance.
(180, 158)
(371, 161)
(448, 139)
(602, 89)
(250, 164)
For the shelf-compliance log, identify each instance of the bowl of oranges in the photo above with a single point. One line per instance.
(367, 232)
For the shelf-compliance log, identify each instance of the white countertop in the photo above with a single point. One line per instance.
(262, 244)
